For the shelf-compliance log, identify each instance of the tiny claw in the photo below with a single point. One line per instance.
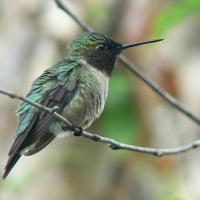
(78, 131)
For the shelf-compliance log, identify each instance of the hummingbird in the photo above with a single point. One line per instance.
(77, 86)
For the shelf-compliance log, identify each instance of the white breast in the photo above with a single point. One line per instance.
(101, 87)
(99, 92)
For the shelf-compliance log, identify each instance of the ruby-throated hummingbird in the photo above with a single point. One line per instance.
(77, 85)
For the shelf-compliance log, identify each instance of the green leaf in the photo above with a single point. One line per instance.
(174, 14)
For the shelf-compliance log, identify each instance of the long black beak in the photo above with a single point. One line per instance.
(125, 46)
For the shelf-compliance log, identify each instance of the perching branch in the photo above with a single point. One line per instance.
(167, 97)
(113, 144)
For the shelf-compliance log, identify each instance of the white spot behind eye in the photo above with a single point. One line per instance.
(101, 46)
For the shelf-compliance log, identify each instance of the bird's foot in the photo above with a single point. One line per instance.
(78, 131)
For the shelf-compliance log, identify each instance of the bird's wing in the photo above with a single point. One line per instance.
(50, 89)
(55, 87)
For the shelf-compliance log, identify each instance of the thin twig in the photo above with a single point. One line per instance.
(154, 86)
(113, 144)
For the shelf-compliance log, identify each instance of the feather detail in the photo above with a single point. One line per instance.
(32, 131)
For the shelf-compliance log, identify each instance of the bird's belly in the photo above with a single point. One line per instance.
(88, 103)
(84, 109)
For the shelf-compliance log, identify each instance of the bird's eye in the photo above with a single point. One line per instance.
(101, 46)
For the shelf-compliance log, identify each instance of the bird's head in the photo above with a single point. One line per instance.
(100, 51)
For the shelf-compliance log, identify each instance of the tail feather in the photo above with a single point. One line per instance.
(39, 144)
(35, 146)
(10, 164)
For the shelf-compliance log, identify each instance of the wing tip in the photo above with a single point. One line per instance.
(10, 164)
(4, 174)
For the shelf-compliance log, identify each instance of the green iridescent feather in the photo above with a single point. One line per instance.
(41, 86)
(57, 74)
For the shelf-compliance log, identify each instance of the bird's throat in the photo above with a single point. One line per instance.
(105, 64)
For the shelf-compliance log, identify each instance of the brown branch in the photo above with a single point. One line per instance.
(113, 144)
(133, 69)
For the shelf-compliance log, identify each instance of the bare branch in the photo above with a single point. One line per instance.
(113, 144)
(154, 86)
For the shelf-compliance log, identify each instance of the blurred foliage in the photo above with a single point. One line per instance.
(120, 123)
(171, 197)
(174, 13)
(97, 13)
